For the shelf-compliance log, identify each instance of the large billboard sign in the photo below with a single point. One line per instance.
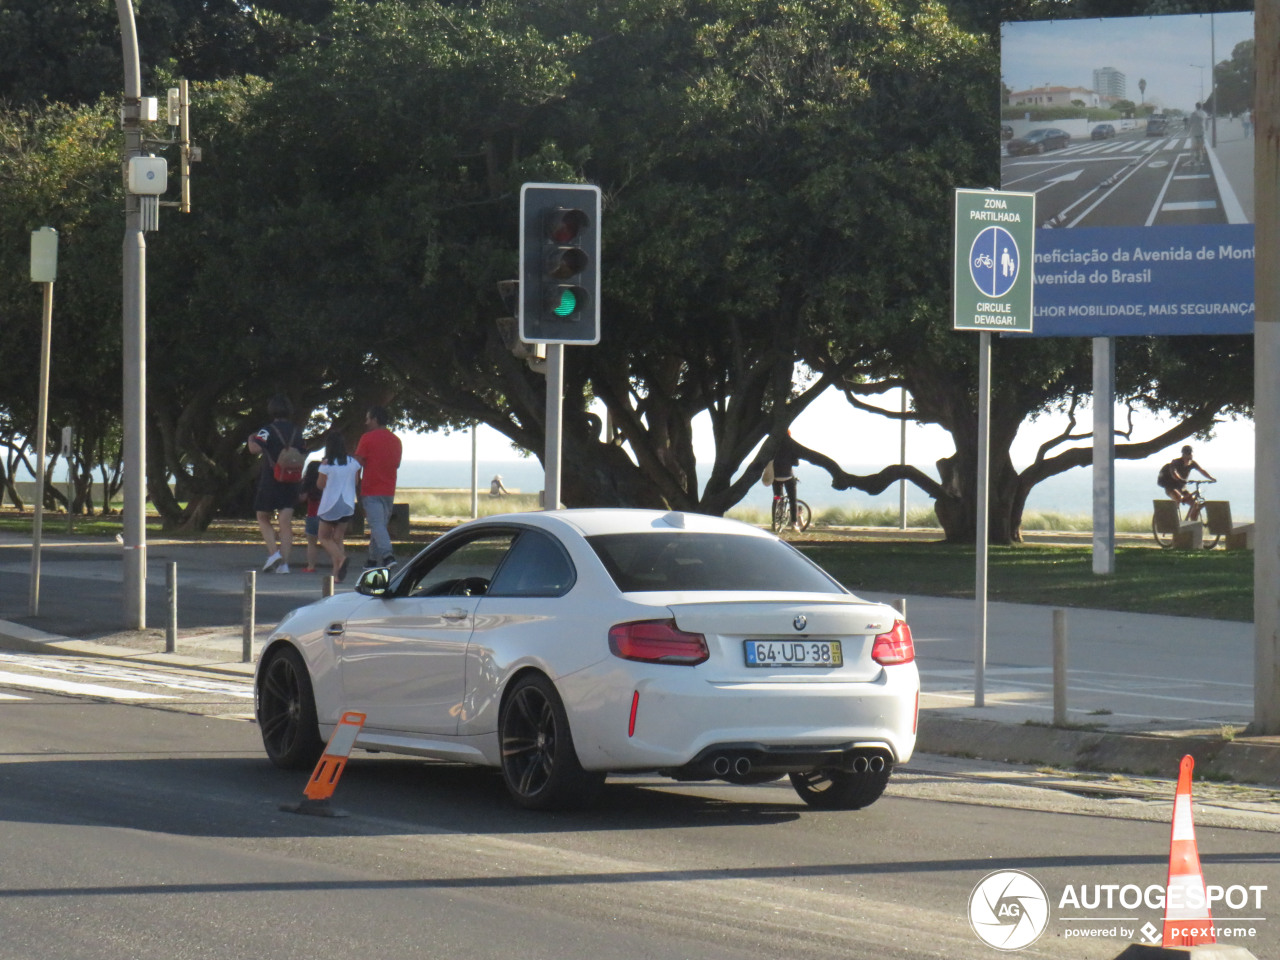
(1136, 136)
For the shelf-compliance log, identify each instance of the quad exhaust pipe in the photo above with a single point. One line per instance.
(874, 764)
(736, 767)
(721, 765)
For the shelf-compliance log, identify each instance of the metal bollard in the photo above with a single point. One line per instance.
(171, 592)
(901, 604)
(326, 586)
(1059, 667)
(249, 610)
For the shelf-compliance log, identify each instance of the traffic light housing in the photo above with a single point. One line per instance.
(559, 263)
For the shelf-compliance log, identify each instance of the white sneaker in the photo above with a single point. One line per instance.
(282, 568)
(272, 561)
(797, 528)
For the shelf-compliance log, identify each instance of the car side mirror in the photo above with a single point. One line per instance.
(373, 583)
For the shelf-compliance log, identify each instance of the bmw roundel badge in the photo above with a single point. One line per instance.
(800, 622)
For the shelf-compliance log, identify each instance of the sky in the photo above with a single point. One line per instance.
(1166, 51)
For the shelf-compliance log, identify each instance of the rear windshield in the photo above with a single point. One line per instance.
(660, 560)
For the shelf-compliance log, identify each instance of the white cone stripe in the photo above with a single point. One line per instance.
(343, 739)
(53, 685)
(1186, 888)
(1183, 827)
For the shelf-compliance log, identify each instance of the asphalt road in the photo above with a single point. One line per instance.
(146, 831)
(1129, 180)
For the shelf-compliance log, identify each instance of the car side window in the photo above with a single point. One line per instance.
(536, 566)
(465, 570)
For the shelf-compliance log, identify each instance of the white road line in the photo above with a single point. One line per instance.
(12, 696)
(53, 685)
(238, 689)
(1191, 205)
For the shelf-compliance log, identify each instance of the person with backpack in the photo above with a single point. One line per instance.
(1173, 478)
(283, 454)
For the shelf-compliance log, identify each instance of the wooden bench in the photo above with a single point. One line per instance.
(1218, 520)
(1165, 521)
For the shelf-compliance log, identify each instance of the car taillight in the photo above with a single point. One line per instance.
(657, 641)
(894, 646)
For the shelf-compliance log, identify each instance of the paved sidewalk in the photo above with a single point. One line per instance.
(1141, 690)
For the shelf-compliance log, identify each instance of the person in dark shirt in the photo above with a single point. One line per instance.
(1173, 478)
(784, 475)
(272, 499)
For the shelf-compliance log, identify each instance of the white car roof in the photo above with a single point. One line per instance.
(594, 521)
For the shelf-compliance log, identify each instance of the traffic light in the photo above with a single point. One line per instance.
(559, 263)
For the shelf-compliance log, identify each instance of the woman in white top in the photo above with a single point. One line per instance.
(337, 484)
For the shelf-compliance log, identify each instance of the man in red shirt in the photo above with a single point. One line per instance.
(379, 454)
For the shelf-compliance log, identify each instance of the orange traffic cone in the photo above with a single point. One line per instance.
(324, 779)
(1187, 920)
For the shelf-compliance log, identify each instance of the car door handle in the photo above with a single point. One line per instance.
(454, 614)
(334, 629)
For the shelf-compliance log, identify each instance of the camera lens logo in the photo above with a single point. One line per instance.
(1008, 910)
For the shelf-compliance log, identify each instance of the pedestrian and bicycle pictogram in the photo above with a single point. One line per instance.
(993, 261)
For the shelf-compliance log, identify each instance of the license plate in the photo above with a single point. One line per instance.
(794, 653)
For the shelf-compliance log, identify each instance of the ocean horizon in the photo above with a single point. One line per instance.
(1069, 493)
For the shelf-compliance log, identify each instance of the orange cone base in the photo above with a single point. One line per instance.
(313, 808)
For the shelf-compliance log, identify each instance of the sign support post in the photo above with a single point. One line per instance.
(992, 289)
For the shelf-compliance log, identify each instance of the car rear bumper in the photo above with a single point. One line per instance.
(676, 719)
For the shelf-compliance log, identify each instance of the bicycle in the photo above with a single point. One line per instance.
(1164, 534)
(782, 514)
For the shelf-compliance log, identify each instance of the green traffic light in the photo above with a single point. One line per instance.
(568, 304)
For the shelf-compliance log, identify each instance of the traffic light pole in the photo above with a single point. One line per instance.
(134, 336)
(555, 418)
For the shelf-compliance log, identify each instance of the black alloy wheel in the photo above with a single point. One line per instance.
(539, 763)
(287, 712)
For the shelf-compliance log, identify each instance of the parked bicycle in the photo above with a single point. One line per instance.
(782, 514)
(1164, 532)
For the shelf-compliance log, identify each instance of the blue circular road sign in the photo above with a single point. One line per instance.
(993, 261)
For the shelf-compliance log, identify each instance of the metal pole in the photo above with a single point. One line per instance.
(249, 611)
(171, 593)
(1059, 667)
(983, 532)
(134, 337)
(555, 412)
(475, 476)
(1213, 85)
(1104, 455)
(326, 586)
(42, 416)
(902, 458)
(901, 604)
(184, 147)
(1266, 360)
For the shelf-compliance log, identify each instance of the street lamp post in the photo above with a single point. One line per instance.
(134, 335)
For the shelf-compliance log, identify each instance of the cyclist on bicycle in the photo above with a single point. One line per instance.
(1173, 478)
(784, 476)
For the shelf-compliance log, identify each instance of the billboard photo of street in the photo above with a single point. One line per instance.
(1135, 134)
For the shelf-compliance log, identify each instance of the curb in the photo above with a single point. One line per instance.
(1243, 760)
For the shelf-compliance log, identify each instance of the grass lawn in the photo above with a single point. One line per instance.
(1210, 583)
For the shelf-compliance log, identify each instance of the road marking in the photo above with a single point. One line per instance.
(238, 689)
(12, 696)
(54, 685)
